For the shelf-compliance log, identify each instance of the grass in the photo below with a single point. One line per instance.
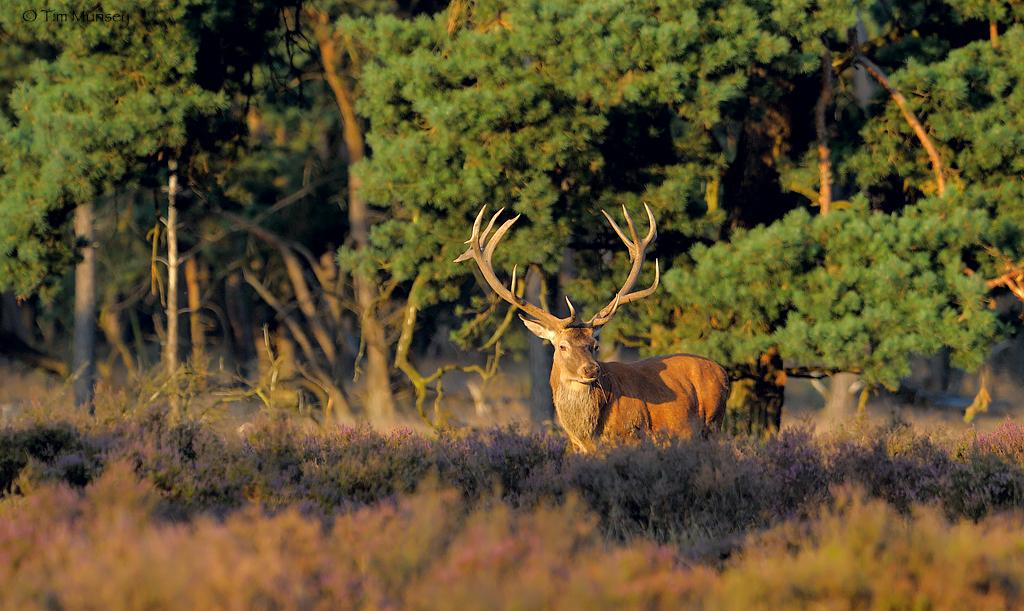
(136, 511)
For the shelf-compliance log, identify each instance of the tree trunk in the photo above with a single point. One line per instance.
(240, 322)
(841, 404)
(863, 90)
(821, 127)
(755, 403)
(113, 330)
(542, 409)
(83, 353)
(197, 338)
(171, 342)
(380, 402)
(14, 319)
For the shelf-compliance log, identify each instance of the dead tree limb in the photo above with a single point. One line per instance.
(421, 382)
(297, 277)
(171, 346)
(324, 379)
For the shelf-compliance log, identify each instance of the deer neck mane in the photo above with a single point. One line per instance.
(579, 407)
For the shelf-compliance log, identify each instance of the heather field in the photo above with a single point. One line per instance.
(140, 512)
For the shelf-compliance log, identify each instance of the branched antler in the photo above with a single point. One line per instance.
(481, 250)
(637, 251)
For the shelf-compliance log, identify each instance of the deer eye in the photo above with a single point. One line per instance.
(563, 347)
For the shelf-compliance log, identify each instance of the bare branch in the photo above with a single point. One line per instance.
(298, 280)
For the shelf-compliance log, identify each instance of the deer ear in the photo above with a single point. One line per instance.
(596, 333)
(539, 330)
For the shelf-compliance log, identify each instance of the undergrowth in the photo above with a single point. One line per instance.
(134, 511)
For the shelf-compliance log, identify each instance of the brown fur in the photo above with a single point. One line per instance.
(678, 395)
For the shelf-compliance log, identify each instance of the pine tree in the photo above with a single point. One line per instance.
(103, 107)
(706, 111)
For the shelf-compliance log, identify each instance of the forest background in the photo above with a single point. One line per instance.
(258, 204)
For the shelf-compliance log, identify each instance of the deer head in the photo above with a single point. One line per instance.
(575, 341)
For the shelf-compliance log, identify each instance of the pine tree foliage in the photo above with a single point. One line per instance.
(81, 121)
(555, 110)
(600, 104)
(829, 291)
(973, 102)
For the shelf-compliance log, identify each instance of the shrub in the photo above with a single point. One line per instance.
(109, 546)
(1005, 441)
(104, 549)
(861, 553)
(703, 495)
(56, 451)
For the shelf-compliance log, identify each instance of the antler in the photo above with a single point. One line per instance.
(482, 254)
(637, 250)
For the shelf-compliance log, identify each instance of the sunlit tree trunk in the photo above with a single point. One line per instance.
(83, 352)
(379, 401)
(171, 343)
(197, 338)
(841, 403)
(821, 127)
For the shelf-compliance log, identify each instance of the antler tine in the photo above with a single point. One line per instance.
(482, 255)
(652, 232)
(634, 238)
(605, 314)
(618, 231)
(637, 250)
(637, 295)
(500, 233)
(602, 318)
(472, 241)
(572, 310)
(490, 224)
(649, 290)
(476, 226)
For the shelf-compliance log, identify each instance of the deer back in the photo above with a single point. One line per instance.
(679, 394)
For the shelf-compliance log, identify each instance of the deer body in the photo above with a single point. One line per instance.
(678, 395)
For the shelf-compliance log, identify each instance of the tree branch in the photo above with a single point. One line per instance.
(820, 108)
(933, 154)
(293, 267)
(323, 378)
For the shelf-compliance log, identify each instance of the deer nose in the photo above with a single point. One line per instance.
(591, 370)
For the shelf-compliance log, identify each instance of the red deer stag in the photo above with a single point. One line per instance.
(679, 394)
